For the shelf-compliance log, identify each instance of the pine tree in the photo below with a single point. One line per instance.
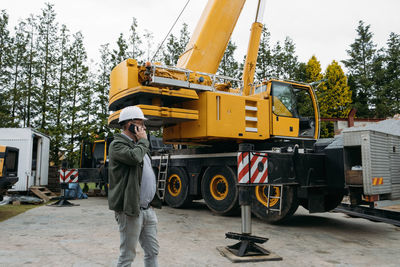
(31, 67)
(175, 47)
(134, 43)
(5, 68)
(379, 78)
(311, 73)
(148, 36)
(101, 91)
(229, 66)
(121, 53)
(284, 60)
(184, 38)
(59, 112)
(264, 58)
(334, 96)
(300, 73)
(47, 60)
(387, 78)
(19, 56)
(290, 59)
(313, 70)
(79, 96)
(359, 65)
(171, 54)
(5, 46)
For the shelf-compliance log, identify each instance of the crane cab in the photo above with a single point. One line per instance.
(294, 109)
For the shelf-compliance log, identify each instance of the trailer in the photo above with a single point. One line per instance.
(372, 163)
(33, 162)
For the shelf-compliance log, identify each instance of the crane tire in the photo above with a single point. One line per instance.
(290, 203)
(219, 190)
(177, 188)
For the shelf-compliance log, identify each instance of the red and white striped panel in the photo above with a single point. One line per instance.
(68, 175)
(252, 168)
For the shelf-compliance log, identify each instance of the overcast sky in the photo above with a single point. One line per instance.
(320, 27)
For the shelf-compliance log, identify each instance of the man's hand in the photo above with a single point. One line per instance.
(140, 132)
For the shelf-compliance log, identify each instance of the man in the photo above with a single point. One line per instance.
(132, 189)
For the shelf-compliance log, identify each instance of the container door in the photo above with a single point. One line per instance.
(36, 155)
(44, 161)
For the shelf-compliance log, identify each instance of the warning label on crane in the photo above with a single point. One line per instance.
(252, 168)
(68, 175)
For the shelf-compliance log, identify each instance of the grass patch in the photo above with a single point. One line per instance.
(8, 211)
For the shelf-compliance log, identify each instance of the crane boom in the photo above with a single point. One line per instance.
(252, 49)
(207, 45)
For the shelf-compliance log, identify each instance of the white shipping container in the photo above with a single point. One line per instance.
(33, 162)
(375, 148)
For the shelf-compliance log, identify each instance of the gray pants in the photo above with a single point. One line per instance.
(134, 229)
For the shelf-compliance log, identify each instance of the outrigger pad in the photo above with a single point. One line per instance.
(247, 250)
(224, 251)
(62, 203)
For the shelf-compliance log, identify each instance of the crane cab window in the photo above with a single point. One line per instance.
(284, 100)
(260, 88)
(295, 102)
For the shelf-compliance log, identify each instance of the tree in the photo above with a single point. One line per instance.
(313, 70)
(134, 42)
(175, 47)
(32, 70)
(334, 96)
(359, 65)
(5, 46)
(101, 91)
(19, 56)
(388, 93)
(5, 66)
(171, 53)
(47, 59)
(310, 73)
(284, 60)
(57, 128)
(121, 53)
(184, 38)
(264, 58)
(229, 66)
(79, 96)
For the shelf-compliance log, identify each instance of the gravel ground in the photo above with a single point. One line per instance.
(86, 235)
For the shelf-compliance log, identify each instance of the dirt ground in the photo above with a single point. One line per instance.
(87, 235)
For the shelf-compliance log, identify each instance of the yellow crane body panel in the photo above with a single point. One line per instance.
(126, 87)
(159, 116)
(223, 116)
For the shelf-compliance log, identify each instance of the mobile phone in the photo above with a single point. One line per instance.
(133, 129)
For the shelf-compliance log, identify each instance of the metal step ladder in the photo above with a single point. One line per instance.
(162, 175)
(274, 197)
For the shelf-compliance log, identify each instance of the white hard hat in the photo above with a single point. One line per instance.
(131, 113)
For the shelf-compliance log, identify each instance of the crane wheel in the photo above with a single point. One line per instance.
(177, 188)
(289, 200)
(219, 190)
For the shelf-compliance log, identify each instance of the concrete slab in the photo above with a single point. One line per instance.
(87, 235)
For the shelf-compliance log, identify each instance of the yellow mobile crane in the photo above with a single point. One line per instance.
(193, 105)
